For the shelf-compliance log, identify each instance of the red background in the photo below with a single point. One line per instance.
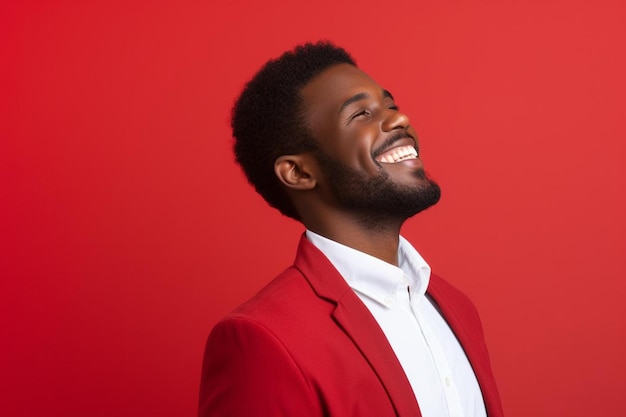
(126, 230)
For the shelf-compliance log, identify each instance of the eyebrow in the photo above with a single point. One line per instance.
(361, 96)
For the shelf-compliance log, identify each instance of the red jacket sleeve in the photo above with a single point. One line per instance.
(247, 372)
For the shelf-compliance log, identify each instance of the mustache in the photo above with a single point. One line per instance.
(390, 141)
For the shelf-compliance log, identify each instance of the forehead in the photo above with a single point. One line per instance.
(325, 94)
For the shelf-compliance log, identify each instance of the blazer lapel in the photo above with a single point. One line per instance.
(360, 326)
(465, 324)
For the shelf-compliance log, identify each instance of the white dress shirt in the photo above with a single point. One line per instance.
(434, 362)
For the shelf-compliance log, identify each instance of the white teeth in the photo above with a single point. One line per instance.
(398, 154)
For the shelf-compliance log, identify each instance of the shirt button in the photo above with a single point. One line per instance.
(388, 300)
(447, 379)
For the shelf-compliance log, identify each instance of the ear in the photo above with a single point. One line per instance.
(296, 171)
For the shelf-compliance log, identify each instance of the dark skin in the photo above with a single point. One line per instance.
(351, 117)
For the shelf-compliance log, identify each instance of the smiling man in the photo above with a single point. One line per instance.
(358, 325)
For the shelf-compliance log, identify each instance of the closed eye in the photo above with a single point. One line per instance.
(360, 114)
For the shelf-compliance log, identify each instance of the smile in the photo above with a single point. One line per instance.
(401, 153)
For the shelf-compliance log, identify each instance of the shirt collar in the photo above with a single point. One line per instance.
(371, 276)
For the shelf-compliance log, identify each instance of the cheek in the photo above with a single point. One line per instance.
(363, 142)
(352, 148)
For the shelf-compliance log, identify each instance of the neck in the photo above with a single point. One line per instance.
(375, 240)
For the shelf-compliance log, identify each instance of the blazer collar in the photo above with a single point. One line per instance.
(359, 325)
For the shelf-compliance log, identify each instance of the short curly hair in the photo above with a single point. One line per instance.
(267, 119)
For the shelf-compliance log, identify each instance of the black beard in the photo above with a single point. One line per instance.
(377, 202)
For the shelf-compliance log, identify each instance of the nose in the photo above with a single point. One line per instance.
(395, 119)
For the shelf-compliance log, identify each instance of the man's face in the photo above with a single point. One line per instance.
(368, 151)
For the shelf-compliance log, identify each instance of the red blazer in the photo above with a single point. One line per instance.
(306, 345)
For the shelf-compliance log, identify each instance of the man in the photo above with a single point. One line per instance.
(357, 326)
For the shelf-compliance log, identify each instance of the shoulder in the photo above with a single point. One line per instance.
(287, 309)
(443, 288)
(454, 303)
(287, 293)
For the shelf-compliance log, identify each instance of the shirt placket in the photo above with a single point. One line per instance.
(451, 392)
